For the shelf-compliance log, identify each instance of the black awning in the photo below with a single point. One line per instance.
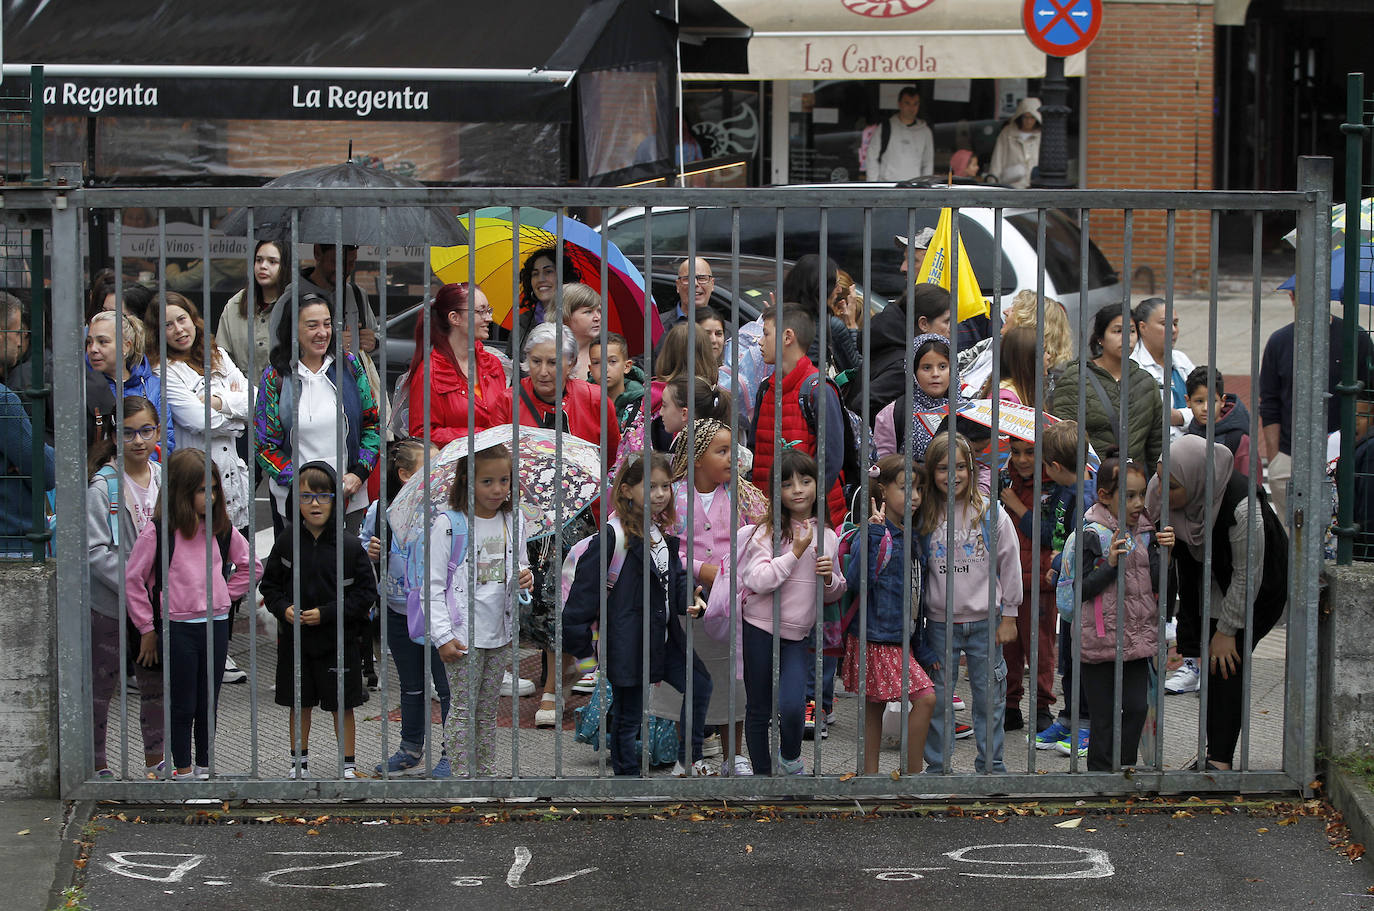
(422, 34)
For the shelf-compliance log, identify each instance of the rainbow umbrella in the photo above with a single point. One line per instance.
(498, 261)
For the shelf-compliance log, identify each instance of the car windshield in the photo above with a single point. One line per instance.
(1062, 239)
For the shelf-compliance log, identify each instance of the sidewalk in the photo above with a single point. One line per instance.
(35, 853)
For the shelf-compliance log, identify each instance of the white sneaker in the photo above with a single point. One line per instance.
(743, 767)
(296, 773)
(201, 772)
(526, 686)
(1186, 678)
(957, 702)
(586, 683)
(351, 772)
(232, 672)
(546, 716)
(711, 747)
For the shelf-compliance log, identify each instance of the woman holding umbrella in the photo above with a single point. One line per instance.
(304, 387)
(453, 354)
(577, 408)
(539, 284)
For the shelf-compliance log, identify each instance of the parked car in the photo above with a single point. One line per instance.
(801, 234)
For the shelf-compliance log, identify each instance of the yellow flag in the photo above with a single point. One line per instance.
(936, 270)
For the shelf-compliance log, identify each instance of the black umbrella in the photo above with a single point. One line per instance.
(362, 225)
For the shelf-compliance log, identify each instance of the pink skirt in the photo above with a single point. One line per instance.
(883, 671)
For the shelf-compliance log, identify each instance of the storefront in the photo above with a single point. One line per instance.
(809, 76)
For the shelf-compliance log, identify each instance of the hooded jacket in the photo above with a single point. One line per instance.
(314, 566)
(1098, 615)
(1017, 154)
(449, 392)
(145, 381)
(1232, 430)
(106, 561)
(888, 344)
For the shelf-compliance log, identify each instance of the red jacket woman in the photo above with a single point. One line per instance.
(446, 368)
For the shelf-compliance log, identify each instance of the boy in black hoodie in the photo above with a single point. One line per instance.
(314, 566)
(1231, 426)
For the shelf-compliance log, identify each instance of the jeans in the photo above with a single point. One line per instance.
(1099, 689)
(795, 662)
(627, 711)
(989, 708)
(829, 664)
(190, 692)
(409, 659)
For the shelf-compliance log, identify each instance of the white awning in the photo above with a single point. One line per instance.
(887, 39)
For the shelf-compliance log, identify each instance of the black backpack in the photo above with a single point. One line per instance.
(850, 475)
(155, 593)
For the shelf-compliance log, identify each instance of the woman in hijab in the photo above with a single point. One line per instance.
(1226, 517)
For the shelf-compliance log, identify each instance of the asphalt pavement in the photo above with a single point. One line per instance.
(1213, 855)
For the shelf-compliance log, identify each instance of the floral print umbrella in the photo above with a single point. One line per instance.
(543, 478)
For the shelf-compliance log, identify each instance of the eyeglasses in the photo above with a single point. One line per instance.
(701, 279)
(484, 313)
(145, 433)
(316, 498)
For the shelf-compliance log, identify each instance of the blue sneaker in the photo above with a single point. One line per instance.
(1051, 735)
(402, 763)
(791, 766)
(1066, 747)
(442, 769)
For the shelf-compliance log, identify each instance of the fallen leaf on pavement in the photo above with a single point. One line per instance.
(1070, 823)
(22, 832)
(1355, 851)
(846, 776)
(748, 849)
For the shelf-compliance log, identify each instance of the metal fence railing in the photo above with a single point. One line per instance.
(1355, 282)
(566, 439)
(25, 361)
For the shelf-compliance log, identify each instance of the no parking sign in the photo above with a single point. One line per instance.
(1061, 28)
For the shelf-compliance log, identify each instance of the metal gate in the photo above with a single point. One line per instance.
(247, 756)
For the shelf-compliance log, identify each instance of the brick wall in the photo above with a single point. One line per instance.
(1148, 109)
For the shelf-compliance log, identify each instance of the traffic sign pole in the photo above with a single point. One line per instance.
(1060, 28)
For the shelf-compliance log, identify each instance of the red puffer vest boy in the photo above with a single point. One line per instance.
(786, 351)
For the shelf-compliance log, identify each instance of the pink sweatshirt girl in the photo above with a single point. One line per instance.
(795, 577)
(185, 579)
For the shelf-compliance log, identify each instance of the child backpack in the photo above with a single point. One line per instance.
(854, 428)
(617, 558)
(837, 615)
(587, 728)
(417, 623)
(1063, 589)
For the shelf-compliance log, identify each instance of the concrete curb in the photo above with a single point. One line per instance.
(1355, 800)
(78, 813)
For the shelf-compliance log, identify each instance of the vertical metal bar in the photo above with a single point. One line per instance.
(514, 448)
(1074, 692)
(341, 456)
(427, 446)
(1350, 385)
(1314, 263)
(1123, 421)
(606, 414)
(1162, 647)
(911, 606)
(560, 378)
(160, 307)
(291, 507)
(381, 526)
(472, 655)
(1253, 470)
(74, 758)
(1037, 512)
(822, 489)
(779, 514)
(123, 610)
(251, 309)
(646, 462)
(691, 498)
(730, 741)
(207, 367)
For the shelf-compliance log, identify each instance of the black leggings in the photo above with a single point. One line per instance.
(1098, 687)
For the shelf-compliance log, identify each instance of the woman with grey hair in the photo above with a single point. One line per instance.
(576, 407)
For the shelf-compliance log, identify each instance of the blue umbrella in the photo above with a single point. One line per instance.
(1338, 275)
